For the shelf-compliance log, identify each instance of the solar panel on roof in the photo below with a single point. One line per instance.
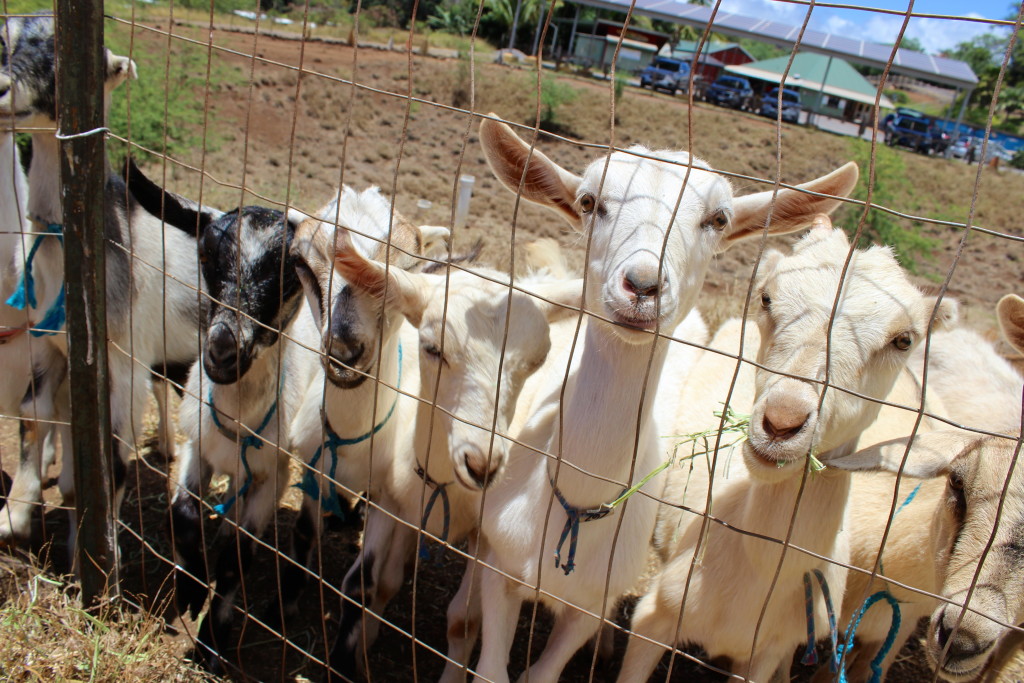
(817, 39)
(876, 51)
(843, 44)
(735, 21)
(649, 4)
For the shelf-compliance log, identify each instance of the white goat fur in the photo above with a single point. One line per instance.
(21, 355)
(462, 335)
(351, 412)
(927, 547)
(732, 572)
(641, 283)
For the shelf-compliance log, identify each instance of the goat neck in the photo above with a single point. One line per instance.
(607, 363)
(44, 178)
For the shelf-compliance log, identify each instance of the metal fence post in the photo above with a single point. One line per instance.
(81, 71)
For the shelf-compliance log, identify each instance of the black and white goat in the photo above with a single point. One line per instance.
(239, 399)
(153, 278)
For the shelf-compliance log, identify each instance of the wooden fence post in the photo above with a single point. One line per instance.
(81, 73)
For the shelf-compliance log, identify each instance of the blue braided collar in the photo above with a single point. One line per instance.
(571, 531)
(310, 484)
(24, 295)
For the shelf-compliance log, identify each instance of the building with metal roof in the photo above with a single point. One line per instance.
(939, 70)
(714, 57)
(827, 85)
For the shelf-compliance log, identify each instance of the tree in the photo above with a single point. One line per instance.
(912, 44)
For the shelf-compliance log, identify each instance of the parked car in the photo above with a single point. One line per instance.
(959, 148)
(909, 131)
(730, 91)
(667, 74)
(791, 105)
(917, 132)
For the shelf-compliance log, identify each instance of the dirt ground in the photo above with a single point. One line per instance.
(301, 137)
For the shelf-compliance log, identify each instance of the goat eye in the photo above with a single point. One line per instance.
(433, 351)
(956, 482)
(903, 341)
(717, 221)
(766, 301)
(587, 203)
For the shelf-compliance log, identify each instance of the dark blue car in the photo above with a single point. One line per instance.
(791, 105)
(729, 91)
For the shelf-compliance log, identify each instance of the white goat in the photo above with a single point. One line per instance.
(32, 367)
(655, 225)
(879, 319)
(347, 429)
(943, 524)
(478, 342)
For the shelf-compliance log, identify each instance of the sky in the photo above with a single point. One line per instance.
(935, 34)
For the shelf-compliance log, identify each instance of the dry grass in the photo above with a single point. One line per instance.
(45, 635)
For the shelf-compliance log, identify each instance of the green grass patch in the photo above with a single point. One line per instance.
(163, 109)
(891, 184)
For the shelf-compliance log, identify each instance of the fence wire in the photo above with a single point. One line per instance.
(363, 429)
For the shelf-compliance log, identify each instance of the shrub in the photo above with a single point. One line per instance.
(553, 94)
(881, 227)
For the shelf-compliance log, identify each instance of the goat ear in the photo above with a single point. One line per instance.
(948, 314)
(434, 238)
(793, 209)
(1010, 310)
(545, 182)
(296, 217)
(408, 292)
(559, 299)
(930, 454)
(173, 209)
(119, 70)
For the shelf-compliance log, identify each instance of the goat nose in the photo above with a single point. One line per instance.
(346, 354)
(783, 422)
(965, 643)
(641, 281)
(222, 346)
(479, 466)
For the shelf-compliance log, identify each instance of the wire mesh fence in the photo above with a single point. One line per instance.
(429, 359)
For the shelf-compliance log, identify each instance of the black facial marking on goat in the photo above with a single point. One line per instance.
(254, 288)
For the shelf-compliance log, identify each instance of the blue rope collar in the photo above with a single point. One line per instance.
(331, 503)
(810, 657)
(573, 517)
(890, 638)
(25, 293)
(252, 440)
(440, 490)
